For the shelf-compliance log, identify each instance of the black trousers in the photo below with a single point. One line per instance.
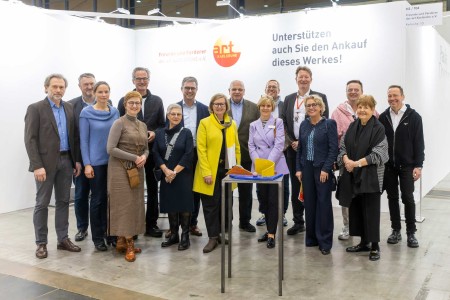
(194, 216)
(297, 207)
(318, 208)
(152, 214)
(212, 206)
(392, 175)
(364, 217)
(245, 198)
(268, 204)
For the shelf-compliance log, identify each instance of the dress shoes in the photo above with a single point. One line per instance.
(81, 235)
(271, 242)
(247, 227)
(263, 238)
(358, 248)
(68, 246)
(296, 228)
(325, 252)
(395, 237)
(194, 230)
(374, 254)
(412, 241)
(172, 240)
(101, 247)
(212, 244)
(154, 232)
(41, 251)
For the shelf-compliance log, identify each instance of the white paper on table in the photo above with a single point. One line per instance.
(231, 153)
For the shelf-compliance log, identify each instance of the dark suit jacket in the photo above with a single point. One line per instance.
(153, 109)
(250, 113)
(202, 112)
(42, 138)
(287, 113)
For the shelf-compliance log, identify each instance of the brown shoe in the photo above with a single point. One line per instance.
(41, 251)
(121, 245)
(194, 230)
(130, 256)
(212, 244)
(68, 245)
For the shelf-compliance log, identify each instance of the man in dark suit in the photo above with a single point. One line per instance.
(86, 82)
(193, 112)
(293, 113)
(50, 140)
(152, 114)
(243, 113)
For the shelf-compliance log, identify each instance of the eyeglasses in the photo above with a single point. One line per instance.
(236, 90)
(311, 105)
(274, 87)
(175, 114)
(132, 103)
(219, 104)
(141, 78)
(188, 88)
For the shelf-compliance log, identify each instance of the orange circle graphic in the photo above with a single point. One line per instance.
(225, 52)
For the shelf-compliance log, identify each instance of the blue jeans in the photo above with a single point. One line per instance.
(98, 203)
(82, 190)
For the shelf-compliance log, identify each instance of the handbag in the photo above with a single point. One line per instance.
(133, 177)
(133, 174)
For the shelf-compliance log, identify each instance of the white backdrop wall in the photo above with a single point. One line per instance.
(428, 91)
(32, 50)
(369, 27)
(385, 54)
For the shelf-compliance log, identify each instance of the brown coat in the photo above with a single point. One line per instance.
(126, 210)
(42, 138)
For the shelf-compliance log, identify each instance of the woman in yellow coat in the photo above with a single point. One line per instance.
(218, 150)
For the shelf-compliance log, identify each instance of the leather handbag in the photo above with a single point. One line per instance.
(133, 177)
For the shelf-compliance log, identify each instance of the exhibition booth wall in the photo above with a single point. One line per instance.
(370, 43)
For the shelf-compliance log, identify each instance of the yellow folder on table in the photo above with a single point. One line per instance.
(264, 167)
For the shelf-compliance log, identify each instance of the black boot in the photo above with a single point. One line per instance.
(174, 224)
(185, 219)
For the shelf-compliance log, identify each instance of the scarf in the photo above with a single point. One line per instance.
(359, 141)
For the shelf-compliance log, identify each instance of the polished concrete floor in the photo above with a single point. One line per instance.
(401, 273)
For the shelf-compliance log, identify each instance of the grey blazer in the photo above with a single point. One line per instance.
(42, 138)
(250, 113)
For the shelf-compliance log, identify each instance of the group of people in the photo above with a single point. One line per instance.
(188, 149)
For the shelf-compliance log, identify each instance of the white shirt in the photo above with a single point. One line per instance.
(190, 119)
(396, 117)
(299, 112)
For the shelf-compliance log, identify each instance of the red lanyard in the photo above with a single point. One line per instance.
(296, 103)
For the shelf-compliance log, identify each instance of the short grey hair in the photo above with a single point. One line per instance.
(54, 75)
(189, 79)
(137, 69)
(173, 106)
(85, 75)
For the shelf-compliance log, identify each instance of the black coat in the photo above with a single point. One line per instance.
(176, 196)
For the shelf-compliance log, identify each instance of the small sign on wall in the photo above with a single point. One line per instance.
(424, 15)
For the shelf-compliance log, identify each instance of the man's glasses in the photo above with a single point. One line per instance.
(141, 78)
(237, 90)
(188, 88)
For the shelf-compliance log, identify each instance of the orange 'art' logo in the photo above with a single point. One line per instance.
(225, 53)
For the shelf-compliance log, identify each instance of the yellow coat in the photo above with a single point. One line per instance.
(209, 144)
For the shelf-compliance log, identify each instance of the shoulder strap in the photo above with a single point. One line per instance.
(172, 143)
